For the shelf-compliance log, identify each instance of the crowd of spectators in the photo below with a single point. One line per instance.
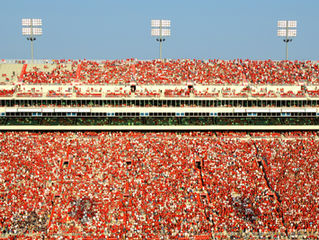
(6, 92)
(173, 78)
(158, 185)
(176, 72)
(60, 74)
(266, 72)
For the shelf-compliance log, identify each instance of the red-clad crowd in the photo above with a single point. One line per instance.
(6, 92)
(266, 72)
(156, 72)
(159, 185)
(60, 74)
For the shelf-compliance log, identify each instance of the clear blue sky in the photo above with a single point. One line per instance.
(202, 29)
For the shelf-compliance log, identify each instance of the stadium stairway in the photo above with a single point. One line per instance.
(263, 165)
(60, 182)
(24, 68)
(78, 72)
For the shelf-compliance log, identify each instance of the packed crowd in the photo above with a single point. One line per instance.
(60, 74)
(6, 92)
(164, 185)
(176, 72)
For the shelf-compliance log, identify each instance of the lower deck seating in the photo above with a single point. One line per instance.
(150, 185)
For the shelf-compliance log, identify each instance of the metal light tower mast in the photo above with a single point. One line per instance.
(288, 30)
(32, 28)
(161, 29)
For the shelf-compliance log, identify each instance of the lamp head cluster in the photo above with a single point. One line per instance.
(161, 29)
(287, 29)
(31, 27)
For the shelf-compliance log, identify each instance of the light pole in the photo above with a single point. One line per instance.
(31, 28)
(287, 29)
(161, 29)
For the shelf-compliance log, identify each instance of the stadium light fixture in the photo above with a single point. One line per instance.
(161, 29)
(287, 29)
(31, 27)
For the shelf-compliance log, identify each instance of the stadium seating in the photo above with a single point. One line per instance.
(158, 185)
(60, 72)
(135, 185)
(9, 73)
(154, 78)
(6, 92)
(175, 72)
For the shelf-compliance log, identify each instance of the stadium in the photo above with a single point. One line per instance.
(188, 149)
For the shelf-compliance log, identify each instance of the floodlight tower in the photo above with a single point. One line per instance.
(31, 28)
(161, 29)
(288, 30)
